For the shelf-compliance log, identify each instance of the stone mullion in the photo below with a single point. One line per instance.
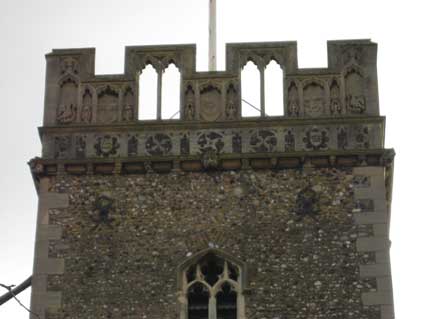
(159, 94)
(212, 308)
(262, 90)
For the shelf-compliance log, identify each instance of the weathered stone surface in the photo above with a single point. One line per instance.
(128, 266)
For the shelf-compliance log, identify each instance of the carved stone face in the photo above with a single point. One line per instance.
(316, 137)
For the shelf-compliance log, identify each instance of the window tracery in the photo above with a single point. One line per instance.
(212, 289)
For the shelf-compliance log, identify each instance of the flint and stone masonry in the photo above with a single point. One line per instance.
(213, 215)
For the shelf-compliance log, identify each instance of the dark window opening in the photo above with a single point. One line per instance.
(227, 302)
(198, 298)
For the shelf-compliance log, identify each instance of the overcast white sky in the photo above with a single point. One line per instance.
(29, 29)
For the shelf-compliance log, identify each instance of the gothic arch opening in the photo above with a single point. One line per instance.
(148, 93)
(274, 89)
(198, 296)
(211, 284)
(171, 93)
(226, 302)
(250, 89)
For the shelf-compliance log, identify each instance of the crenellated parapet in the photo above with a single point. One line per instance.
(332, 109)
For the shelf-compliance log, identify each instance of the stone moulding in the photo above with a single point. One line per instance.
(144, 165)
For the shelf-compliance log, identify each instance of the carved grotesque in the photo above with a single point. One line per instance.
(210, 159)
(316, 139)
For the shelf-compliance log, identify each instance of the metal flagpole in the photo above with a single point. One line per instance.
(213, 36)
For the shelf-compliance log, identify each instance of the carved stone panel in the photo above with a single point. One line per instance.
(210, 141)
(231, 104)
(107, 106)
(62, 147)
(263, 141)
(361, 137)
(67, 107)
(80, 147)
(289, 140)
(87, 107)
(342, 138)
(236, 142)
(355, 93)
(189, 107)
(185, 144)
(128, 111)
(132, 145)
(335, 99)
(316, 139)
(69, 65)
(314, 99)
(293, 100)
(107, 145)
(211, 108)
(158, 144)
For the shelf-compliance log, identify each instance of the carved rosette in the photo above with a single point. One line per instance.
(107, 145)
(158, 144)
(211, 140)
(263, 141)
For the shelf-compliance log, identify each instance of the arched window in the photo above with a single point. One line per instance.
(274, 89)
(251, 99)
(171, 93)
(148, 94)
(212, 288)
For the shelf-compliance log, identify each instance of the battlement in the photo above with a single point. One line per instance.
(348, 87)
(333, 109)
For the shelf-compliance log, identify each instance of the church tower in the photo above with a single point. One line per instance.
(213, 215)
